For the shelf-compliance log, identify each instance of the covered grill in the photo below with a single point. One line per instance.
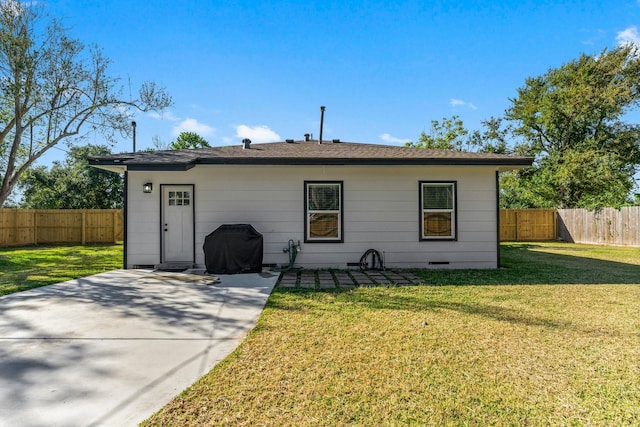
(232, 249)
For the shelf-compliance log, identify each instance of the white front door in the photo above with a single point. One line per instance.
(177, 223)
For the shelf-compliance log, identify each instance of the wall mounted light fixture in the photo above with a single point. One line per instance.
(147, 188)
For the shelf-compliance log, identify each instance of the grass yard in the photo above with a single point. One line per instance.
(556, 343)
(33, 266)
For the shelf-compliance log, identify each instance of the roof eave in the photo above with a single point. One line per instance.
(123, 164)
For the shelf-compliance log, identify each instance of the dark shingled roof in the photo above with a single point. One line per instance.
(302, 153)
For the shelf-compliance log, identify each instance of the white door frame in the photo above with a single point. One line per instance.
(188, 230)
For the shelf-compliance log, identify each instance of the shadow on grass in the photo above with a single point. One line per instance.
(397, 299)
(522, 265)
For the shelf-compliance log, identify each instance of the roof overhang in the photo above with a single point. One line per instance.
(303, 154)
(502, 165)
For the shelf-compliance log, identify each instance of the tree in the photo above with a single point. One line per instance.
(451, 134)
(53, 89)
(571, 121)
(188, 140)
(448, 135)
(73, 184)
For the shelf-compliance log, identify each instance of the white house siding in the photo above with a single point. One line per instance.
(381, 211)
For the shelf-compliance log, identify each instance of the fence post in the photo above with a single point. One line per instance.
(84, 226)
(35, 227)
(115, 218)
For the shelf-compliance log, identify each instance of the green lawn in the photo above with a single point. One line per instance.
(33, 266)
(551, 339)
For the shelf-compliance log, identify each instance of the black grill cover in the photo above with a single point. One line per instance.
(232, 249)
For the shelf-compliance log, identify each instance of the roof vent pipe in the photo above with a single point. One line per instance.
(307, 137)
(246, 144)
(321, 123)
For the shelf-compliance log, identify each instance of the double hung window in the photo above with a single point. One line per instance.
(438, 210)
(323, 211)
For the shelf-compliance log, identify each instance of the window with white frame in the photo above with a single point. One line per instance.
(323, 211)
(438, 210)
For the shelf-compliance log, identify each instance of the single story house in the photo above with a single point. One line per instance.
(419, 208)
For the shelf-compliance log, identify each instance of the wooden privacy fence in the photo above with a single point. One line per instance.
(606, 226)
(522, 225)
(33, 226)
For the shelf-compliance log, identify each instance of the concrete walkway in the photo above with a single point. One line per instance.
(112, 349)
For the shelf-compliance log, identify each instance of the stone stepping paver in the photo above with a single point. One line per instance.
(397, 279)
(362, 279)
(325, 280)
(289, 279)
(344, 280)
(308, 279)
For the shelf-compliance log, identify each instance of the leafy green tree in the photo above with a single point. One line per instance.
(571, 119)
(450, 134)
(493, 138)
(73, 184)
(53, 89)
(187, 140)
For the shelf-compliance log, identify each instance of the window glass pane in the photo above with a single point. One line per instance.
(186, 194)
(179, 202)
(172, 202)
(323, 225)
(186, 202)
(172, 194)
(437, 196)
(179, 194)
(324, 197)
(437, 224)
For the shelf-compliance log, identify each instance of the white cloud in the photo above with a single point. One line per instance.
(460, 103)
(165, 115)
(628, 36)
(257, 133)
(392, 139)
(192, 125)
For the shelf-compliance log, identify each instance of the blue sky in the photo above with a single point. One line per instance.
(384, 70)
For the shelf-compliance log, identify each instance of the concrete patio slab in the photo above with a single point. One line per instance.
(113, 348)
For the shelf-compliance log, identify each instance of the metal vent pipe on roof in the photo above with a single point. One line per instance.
(133, 124)
(307, 137)
(321, 123)
(246, 143)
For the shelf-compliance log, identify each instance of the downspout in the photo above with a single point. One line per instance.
(498, 218)
(125, 218)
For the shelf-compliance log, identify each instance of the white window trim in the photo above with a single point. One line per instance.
(309, 212)
(453, 211)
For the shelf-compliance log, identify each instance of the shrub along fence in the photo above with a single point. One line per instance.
(34, 226)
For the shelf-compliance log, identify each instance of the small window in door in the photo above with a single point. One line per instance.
(179, 198)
